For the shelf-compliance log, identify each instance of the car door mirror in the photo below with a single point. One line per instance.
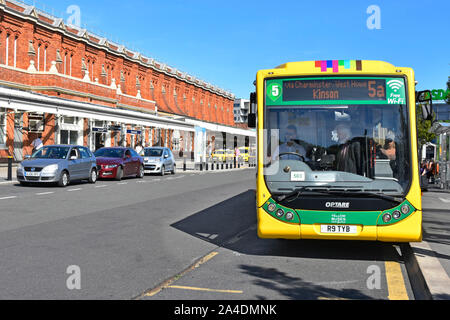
(27, 157)
(166, 156)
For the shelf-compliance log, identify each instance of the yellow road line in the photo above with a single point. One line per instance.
(167, 283)
(395, 281)
(204, 289)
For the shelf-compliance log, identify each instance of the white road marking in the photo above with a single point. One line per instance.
(44, 193)
(7, 198)
(72, 190)
(122, 183)
(445, 200)
(102, 186)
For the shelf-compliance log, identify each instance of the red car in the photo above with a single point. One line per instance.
(118, 162)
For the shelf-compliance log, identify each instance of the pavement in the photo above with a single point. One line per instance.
(432, 256)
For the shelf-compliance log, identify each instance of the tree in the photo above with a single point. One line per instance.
(423, 128)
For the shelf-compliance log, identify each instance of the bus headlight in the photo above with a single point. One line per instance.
(397, 214)
(272, 207)
(387, 218)
(280, 213)
(405, 209)
(289, 216)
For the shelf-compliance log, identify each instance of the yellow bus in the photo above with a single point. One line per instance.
(337, 152)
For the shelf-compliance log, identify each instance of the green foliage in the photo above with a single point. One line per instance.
(423, 127)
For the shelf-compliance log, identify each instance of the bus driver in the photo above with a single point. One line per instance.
(290, 145)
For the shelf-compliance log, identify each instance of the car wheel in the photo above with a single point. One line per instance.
(64, 180)
(163, 171)
(119, 174)
(93, 176)
(141, 172)
(174, 169)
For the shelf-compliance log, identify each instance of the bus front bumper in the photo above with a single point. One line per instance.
(408, 230)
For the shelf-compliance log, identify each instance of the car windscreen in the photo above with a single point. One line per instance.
(51, 153)
(109, 153)
(153, 152)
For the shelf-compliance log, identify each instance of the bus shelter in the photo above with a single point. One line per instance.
(442, 130)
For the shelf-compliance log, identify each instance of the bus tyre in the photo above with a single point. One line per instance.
(93, 176)
(119, 174)
(64, 180)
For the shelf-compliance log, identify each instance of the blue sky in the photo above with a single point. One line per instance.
(226, 42)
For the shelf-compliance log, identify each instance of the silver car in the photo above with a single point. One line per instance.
(158, 160)
(58, 164)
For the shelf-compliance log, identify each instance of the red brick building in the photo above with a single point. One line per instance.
(40, 54)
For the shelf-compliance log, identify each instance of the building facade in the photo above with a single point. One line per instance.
(84, 89)
(241, 109)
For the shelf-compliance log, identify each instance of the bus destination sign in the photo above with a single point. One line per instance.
(339, 89)
(335, 91)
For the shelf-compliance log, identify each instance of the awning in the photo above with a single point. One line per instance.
(32, 102)
(440, 127)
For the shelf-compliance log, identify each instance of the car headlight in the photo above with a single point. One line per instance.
(111, 166)
(50, 169)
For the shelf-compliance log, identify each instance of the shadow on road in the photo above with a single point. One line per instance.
(295, 288)
(231, 224)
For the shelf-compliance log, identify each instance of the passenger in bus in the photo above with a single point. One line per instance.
(290, 145)
(349, 157)
(388, 151)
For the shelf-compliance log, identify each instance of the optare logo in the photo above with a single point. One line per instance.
(339, 205)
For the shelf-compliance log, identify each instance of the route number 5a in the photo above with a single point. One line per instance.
(379, 91)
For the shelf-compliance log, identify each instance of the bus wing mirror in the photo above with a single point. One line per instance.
(252, 111)
(425, 100)
(252, 120)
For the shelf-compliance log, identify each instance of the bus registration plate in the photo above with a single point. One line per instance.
(341, 229)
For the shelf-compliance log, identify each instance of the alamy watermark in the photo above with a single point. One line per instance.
(374, 20)
(73, 282)
(374, 280)
(74, 13)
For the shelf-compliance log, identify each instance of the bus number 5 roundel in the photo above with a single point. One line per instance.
(274, 91)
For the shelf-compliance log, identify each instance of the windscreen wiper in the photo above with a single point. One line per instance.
(368, 194)
(297, 192)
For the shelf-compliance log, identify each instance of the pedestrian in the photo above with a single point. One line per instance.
(37, 143)
(139, 148)
(423, 176)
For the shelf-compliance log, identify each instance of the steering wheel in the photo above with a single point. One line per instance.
(302, 158)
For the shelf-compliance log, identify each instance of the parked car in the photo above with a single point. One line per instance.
(159, 160)
(58, 164)
(244, 153)
(119, 162)
(218, 155)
